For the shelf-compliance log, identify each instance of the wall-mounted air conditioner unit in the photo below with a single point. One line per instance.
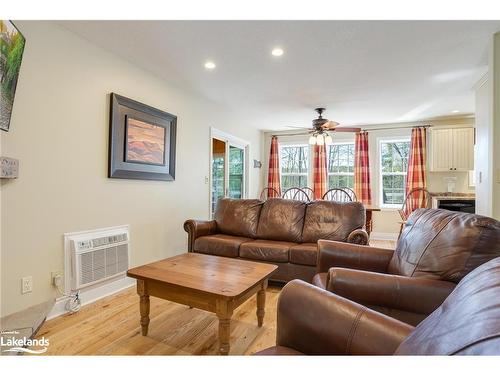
(99, 255)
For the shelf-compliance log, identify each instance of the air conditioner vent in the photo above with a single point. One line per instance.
(97, 257)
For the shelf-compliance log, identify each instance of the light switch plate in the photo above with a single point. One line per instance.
(9, 167)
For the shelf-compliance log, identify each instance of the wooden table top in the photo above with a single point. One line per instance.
(227, 277)
(372, 208)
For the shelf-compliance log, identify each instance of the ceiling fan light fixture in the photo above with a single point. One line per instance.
(328, 139)
(320, 140)
(312, 140)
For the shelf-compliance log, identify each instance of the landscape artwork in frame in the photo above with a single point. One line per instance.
(141, 141)
(11, 47)
(145, 142)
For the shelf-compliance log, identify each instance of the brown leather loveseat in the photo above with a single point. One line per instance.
(467, 323)
(436, 250)
(279, 231)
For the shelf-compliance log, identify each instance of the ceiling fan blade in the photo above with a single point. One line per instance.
(330, 125)
(298, 127)
(347, 130)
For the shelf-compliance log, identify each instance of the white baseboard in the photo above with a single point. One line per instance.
(384, 236)
(92, 295)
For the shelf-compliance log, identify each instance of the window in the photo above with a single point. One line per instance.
(393, 167)
(294, 164)
(341, 165)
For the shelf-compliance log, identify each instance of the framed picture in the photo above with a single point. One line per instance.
(11, 54)
(141, 141)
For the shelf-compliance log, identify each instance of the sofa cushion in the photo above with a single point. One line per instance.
(445, 245)
(271, 251)
(238, 217)
(281, 220)
(219, 244)
(304, 253)
(332, 220)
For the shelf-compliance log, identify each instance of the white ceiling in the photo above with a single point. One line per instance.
(363, 72)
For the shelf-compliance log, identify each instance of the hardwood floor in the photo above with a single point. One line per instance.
(111, 327)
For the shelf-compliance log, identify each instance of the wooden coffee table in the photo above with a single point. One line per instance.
(207, 282)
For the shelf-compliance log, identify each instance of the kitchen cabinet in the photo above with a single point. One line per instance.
(452, 149)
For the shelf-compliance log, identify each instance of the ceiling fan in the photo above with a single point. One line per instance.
(321, 128)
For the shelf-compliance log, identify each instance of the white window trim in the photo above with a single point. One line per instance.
(381, 140)
(308, 174)
(335, 173)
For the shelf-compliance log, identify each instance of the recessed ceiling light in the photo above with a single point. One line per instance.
(455, 111)
(277, 52)
(210, 65)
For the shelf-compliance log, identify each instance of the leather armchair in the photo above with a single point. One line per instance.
(466, 323)
(332, 325)
(436, 250)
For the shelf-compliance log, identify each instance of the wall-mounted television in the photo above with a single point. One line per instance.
(11, 47)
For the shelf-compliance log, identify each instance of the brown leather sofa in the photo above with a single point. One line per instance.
(279, 231)
(467, 323)
(436, 250)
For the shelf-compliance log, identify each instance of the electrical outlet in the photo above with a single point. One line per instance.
(56, 278)
(26, 284)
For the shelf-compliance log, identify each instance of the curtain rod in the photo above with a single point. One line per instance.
(365, 130)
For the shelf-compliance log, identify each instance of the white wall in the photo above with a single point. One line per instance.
(484, 150)
(59, 131)
(494, 78)
(386, 221)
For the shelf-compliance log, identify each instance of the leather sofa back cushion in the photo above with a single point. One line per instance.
(238, 217)
(332, 220)
(467, 323)
(445, 245)
(281, 220)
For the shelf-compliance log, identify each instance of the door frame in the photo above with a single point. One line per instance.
(230, 140)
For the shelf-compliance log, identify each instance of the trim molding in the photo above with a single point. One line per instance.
(92, 295)
(384, 236)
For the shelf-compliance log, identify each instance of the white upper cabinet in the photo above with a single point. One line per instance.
(452, 150)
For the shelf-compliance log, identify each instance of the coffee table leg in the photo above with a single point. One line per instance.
(143, 306)
(261, 304)
(224, 313)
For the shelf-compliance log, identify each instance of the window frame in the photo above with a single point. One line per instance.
(328, 162)
(308, 164)
(381, 174)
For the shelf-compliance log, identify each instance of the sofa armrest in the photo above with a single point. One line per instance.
(333, 325)
(342, 254)
(198, 228)
(417, 295)
(359, 237)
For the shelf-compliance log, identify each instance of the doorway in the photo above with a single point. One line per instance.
(228, 168)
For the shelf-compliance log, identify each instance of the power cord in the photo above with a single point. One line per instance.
(73, 304)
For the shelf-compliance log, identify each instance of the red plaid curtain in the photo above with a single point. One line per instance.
(273, 176)
(362, 169)
(415, 177)
(319, 171)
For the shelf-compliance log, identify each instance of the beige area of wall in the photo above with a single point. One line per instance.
(387, 220)
(59, 131)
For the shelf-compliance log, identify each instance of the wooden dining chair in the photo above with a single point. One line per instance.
(416, 198)
(351, 193)
(298, 194)
(337, 195)
(268, 192)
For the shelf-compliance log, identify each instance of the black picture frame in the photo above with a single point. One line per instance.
(122, 111)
